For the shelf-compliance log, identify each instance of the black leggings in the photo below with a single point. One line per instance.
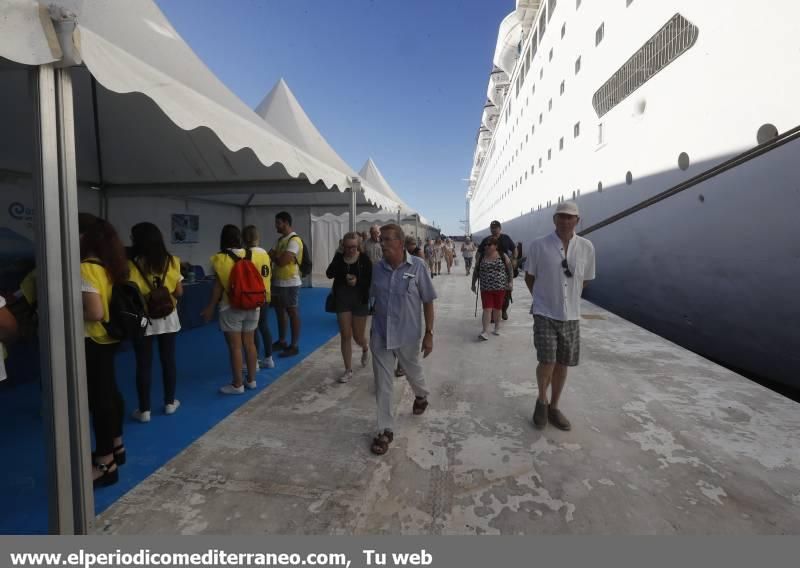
(105, 401)
(144, 367)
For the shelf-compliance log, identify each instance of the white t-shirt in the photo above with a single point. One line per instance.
(556, 295)
(3, 375)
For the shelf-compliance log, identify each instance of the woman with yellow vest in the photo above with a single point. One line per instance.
(103, 264)
(152, 267)
(251, 238)
(239, 326)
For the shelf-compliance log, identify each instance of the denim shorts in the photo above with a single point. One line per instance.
(285, 296)
(232, 320)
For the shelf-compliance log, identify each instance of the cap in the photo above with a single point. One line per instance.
(568, 208)
(495, 223)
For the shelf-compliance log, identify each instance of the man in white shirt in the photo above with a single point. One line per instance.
(557, 268)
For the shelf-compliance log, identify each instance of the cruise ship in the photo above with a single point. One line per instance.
(673, 125)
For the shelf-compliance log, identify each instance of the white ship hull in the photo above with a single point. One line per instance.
(714, 268)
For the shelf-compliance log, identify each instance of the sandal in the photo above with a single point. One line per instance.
(119, 454)
(380, 444)
(420, 404)
(109, 476)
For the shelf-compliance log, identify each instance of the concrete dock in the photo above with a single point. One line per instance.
(663, 442)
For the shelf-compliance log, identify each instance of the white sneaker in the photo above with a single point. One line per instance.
(258, 365)
(171, 408)
(346, 376)
(483, 337)
(230, 389)
(364, 358)
(496, 332)
(251, 384)
(141, 416)
(268, 363)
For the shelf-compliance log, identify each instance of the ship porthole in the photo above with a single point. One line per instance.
(683, 161)
(701, 197)
(766, 133)
(629, 178)
(599, 186)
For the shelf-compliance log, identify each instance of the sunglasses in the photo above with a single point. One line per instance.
(565, 266)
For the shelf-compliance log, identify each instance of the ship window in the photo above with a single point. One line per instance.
(533, 168)
(526, 174)
(600, 136)
(534, 43)
(576, 130)
(628, 3)
(766, 133)
(550, 57)
(563, 31)
(599, 186)
(550, 104)
(540, 118)
(598, 35)
(551, 5)
(533, 130)
(683, 161)
(562, 87)
(540, 163)
(577, 65)
(542, 24)
(577, 4)
(549, 154)
(541, 73)
(629, 178)
(561, 144)
(676, 37)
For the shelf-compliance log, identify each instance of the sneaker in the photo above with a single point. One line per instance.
(268, 363)
(540, 414)
(258, 365)
(482, 336)
(364, 358)
(250, 384)
(141, 416)
(289, 352)
(496, 332)
(346, 376)
(172, 407)
(230, 389)
(557, 419)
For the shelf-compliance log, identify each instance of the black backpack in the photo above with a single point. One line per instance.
(127, 311)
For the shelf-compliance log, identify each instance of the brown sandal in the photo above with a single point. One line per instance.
(420, 404)
(380, 444)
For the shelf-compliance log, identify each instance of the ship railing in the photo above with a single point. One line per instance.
(738, 160)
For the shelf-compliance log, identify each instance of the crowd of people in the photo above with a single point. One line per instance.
(385, 275)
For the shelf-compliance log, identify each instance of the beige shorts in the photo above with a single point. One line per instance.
(232, 320)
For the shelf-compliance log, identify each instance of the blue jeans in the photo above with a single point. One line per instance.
(263, 331)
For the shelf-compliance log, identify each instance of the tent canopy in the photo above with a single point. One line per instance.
(140, 80)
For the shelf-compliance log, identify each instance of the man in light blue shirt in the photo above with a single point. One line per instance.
(403, 293)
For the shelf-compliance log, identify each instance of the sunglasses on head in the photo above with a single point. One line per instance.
(565, 266)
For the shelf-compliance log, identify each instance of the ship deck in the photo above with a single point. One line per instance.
(663, 442)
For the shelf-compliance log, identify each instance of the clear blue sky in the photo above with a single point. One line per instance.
(401, 81)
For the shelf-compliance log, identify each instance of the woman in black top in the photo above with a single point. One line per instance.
(351, 271)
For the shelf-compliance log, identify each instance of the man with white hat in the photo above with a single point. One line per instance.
(557, 268)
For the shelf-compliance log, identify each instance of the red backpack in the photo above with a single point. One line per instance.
(245, 286)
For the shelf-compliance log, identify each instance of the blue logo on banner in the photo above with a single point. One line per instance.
(20, 212)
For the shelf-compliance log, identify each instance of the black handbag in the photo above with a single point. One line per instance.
(330, 303)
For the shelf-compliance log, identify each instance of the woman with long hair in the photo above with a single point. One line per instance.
(496, 276)
(251, 239)
(152, 267)
(103, 264)
(351, 271)
(449, 253)
(239, 326)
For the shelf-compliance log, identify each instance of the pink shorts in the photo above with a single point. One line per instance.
(493, 299)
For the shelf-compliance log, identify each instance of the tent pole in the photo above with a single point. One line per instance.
(63, 369)
(99, 152)
(354, 191)
(416, 226)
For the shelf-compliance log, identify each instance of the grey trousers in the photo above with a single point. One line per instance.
(383, 361)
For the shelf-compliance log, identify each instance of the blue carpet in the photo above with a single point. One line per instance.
(202, 368)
